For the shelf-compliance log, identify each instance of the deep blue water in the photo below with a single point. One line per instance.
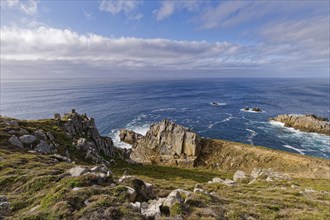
(136, 105)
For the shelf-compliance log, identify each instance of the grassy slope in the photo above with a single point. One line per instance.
(33, 180)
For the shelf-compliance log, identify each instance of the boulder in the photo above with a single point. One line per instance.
(144, 190)
(78, 171)
(50, 135)
(57, 116)
(27, 139)
(131, 194)
(152, 210)
(15, 141)
(307, 123)
(226, 182)
(165, 142)
(239, 175)
(41, 135)
(44, 148)
(172, 198)
(268, 173)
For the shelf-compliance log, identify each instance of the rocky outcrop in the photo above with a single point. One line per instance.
(78, 125)
(166, 143)
(308, 123)
(129, 137)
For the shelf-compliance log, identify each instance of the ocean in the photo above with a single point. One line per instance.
(136, 104)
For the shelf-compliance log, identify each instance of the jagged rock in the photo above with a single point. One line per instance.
(136, 205)
(50, 136)
(15, 141)
(239, 175)
(80, 125)
(4, 207)
(308, 123)
(44, 148)
(144, 190)
(41, 135)
(78, 171)
(152, 210)
(165, 142)
(129, 137)
(27, 139)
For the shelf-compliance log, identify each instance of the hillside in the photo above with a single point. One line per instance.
(75, 173)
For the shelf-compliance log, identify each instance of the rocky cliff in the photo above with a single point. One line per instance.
(62, 136)
(164, 143)
(308, 123)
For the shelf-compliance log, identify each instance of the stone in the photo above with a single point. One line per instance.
(217, 180)
(152, 210)
(15, 141)
(172, 198)
(229, 182)
(50, 135)
(60, 157)
(198, 190)
(4, 207)
(27, 139)
(239, 175)
(165, 143)
(99, 169)
(136, 205)
(264, 173)
(307, 123)
(131, 194)
(78, 171)
(44, 148)
(41, 135)
(144, 190)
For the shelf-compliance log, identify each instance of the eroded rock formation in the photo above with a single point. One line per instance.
(165, 142)
(308, 123)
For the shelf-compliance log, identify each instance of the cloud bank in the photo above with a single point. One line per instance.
(45, 45)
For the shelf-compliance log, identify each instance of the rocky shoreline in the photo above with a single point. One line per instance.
(307, 123)
(62, 168)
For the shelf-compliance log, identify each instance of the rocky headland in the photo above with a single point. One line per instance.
(62, 168)
(307, 123)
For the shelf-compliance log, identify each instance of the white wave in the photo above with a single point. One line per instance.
(164, 109)
(219, 122)
(251, 111)
(293, 148)
(276, 123)
(218, 103)
(251, 136)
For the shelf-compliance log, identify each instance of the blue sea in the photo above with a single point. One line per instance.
(135, 105)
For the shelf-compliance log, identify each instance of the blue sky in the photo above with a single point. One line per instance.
(164, 39)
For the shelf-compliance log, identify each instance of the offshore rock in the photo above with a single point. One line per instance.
(308, 123)
(165, 142)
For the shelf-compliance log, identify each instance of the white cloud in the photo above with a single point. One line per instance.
(34, 48)
(28, 7)
(167, 8)
(127, 7)
(236, 13)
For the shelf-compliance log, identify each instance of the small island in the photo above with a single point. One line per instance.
(307, 123)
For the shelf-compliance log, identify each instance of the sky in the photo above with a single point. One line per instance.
(164, 39)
